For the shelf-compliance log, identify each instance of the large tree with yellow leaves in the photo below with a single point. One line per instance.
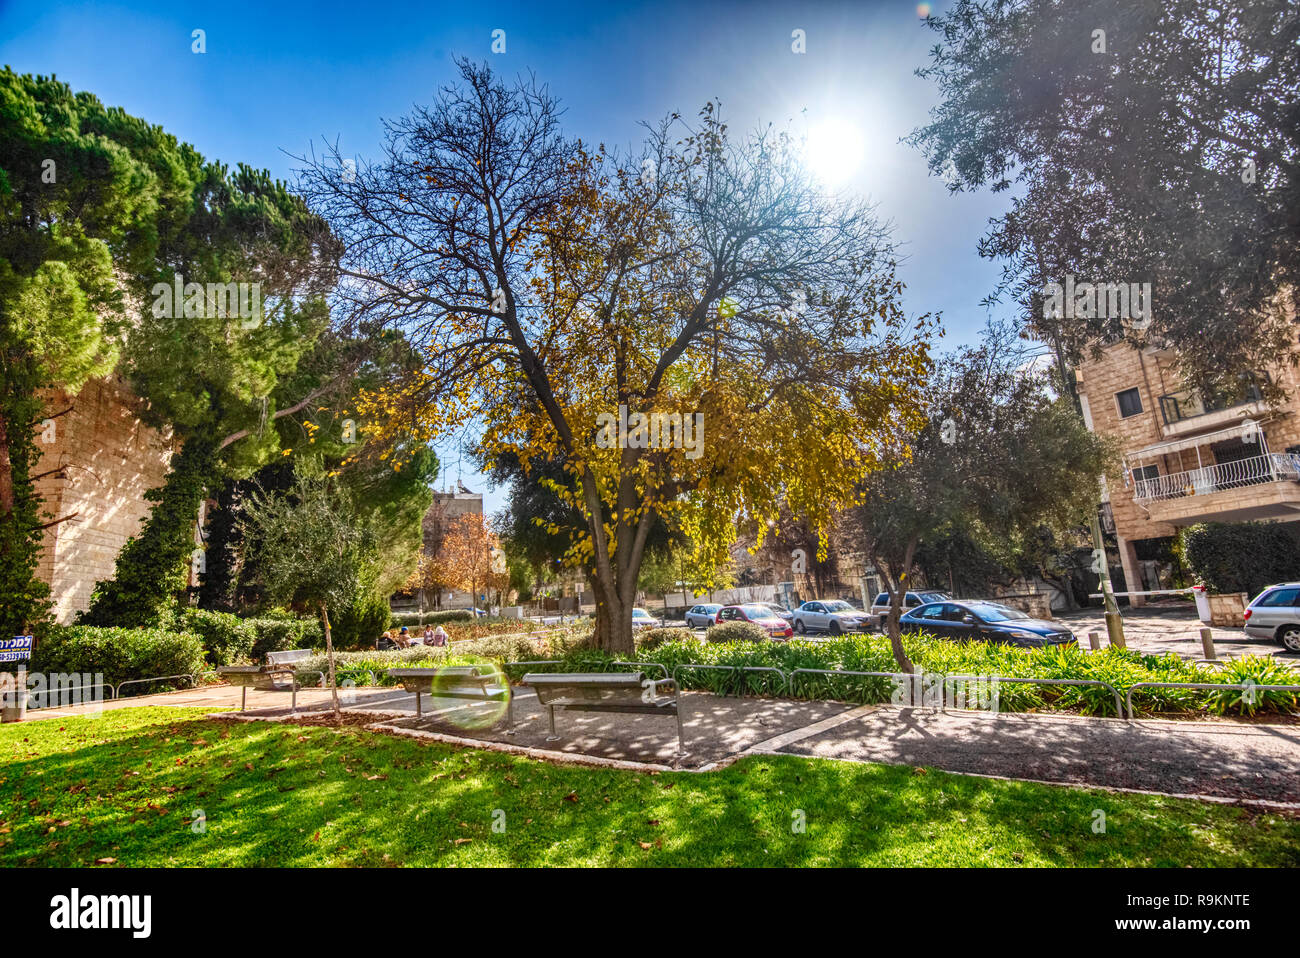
(561, 293)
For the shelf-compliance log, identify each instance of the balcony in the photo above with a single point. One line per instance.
(1261, 487)
(1187, 412)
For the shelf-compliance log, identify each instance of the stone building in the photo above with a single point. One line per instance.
(96, 462)
(1189, 458)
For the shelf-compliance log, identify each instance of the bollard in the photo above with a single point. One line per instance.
(1207, 643)
(1094, 641)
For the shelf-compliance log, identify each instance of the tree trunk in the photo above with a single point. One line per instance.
(897, 589)
(6, 471)
(329, 656)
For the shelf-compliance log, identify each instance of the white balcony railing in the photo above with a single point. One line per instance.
(1273, 467)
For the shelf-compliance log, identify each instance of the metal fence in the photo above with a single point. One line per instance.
(787, 683)
(1206, 686)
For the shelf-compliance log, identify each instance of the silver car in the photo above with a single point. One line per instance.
(830, 615)
(1275, 614)
(702, 616)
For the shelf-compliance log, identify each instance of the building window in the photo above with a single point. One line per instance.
(1145, 472)
(1130, 403)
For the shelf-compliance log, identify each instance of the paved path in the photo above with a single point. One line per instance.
(1173, 627)
(1239, 760)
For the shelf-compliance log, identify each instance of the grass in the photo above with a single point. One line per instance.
(126, 788)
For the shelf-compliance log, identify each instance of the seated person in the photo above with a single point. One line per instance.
(439, 637)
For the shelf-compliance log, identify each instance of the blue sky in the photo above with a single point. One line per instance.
(277, 78)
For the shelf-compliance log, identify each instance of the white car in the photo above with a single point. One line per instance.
(641, 619)
(829, 615)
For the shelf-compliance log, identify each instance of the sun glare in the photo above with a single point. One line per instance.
(834, 151)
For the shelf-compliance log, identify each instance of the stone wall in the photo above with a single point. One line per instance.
(107, 459)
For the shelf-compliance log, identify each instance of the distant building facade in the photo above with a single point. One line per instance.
(1189, 458)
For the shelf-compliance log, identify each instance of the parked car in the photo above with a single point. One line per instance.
(777, 627)
(1275, 614)
(778, 610)
(702, 616)
(911, 600)
(641, 619)
(985, 622)
(828, 615)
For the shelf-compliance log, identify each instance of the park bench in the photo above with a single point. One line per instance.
(628, 692)
(276, 675)
(456, 682)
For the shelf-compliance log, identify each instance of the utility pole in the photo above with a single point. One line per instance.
(1114, 621)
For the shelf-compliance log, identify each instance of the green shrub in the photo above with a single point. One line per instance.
(735, 632)
(647, 640)
(276, 635)
(359, 626)
(120, 654)
(1257, 670)
(227, 638)
(1242, 556)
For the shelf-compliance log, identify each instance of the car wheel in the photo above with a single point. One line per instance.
(798, 627)
(835, 628)
(1289, 636)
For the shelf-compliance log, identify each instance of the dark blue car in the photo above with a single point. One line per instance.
(984, 622)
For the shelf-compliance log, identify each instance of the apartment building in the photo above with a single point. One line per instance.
(1189, 458)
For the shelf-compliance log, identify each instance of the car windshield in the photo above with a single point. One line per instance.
(996, 613)
(932, 596)
(756, 612)
(839, 606)
(640, 614)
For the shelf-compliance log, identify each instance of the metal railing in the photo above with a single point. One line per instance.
(33, 695)
(1206, 686)
(1096, 683)
(793, 682)
(1272, 467)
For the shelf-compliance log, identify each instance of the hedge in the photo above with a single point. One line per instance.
(229, 639)
(1121, 668)
(119, 654)
(1242, 556)
(735, 632)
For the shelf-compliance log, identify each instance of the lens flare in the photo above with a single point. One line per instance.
(465, 710)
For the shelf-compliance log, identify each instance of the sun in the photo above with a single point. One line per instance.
(834, 151)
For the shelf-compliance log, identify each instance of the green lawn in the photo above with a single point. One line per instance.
(126, 785)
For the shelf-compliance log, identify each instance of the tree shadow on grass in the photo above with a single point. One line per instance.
(286, 795)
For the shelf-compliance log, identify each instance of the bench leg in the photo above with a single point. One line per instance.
(552, 737)
(293, 696)
(681, 749)
(418, 712)
(510, 713)
(243, 698)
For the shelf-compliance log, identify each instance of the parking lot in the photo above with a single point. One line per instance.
(1156, 628)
